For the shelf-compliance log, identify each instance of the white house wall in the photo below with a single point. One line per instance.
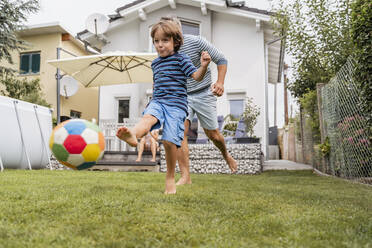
(237, 38)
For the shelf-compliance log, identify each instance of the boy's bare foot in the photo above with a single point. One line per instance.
(125, 134)
(170, 186)
(152, 160)
(183, 181)
(232, 164)
(138, 160)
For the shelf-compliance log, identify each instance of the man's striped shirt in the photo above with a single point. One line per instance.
(193, 46)
(170, 74)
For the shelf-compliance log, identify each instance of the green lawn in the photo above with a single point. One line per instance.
(108, 209)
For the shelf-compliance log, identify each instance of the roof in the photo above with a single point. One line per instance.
(48, 28)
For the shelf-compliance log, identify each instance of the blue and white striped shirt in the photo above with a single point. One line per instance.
(193, 46)
(170, 74)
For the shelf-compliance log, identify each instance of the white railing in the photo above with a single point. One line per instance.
(109, 128)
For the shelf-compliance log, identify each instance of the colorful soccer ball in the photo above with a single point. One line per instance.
(77, 143)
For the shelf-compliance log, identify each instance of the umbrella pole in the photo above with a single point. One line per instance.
(58, 77)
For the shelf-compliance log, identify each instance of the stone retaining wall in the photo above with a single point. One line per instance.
(206, 158)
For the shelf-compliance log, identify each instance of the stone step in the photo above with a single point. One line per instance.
(128, 156)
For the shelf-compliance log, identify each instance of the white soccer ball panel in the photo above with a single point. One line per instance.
(90, 136)
(75, 159)
(60, 135)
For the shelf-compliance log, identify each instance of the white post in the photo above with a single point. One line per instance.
(1, 164)
(266, 101)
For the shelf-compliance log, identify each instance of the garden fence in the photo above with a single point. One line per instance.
(347, 130)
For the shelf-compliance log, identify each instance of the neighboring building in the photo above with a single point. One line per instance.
(44, 39)
(242, 34)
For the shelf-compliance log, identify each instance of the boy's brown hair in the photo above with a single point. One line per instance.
(170, 29)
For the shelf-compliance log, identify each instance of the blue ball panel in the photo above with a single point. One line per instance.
(75, 127)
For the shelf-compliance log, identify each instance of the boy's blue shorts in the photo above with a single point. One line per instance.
(171, 118)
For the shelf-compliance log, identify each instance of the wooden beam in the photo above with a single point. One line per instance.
(172, 4)
(142, 15)
(258, 25)
(203, 8)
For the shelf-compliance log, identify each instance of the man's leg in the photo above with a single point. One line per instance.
(141, 147)
(183, 158)
(218, 140)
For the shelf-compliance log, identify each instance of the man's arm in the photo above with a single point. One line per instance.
(219, 59)
(218, 87)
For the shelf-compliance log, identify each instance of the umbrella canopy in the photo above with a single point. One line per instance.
(108, 68)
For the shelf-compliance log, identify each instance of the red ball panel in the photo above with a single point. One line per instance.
(74, 144)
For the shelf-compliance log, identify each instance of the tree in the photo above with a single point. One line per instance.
(317, 38)
(249, 116)
(361, 30)
(12, 15)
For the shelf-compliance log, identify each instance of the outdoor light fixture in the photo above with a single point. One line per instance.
(234, 3)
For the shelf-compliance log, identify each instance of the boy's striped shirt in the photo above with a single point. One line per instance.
(193, 46)
(170, 74)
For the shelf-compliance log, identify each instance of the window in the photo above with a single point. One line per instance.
(190, 28)
(236, 107)
(123, 109)
(30, 63)
(75, 114)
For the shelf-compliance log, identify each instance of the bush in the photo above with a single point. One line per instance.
(29, 91)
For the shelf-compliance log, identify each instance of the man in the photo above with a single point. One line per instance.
(202, 101)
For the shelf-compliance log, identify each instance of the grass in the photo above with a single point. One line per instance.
(106, 209)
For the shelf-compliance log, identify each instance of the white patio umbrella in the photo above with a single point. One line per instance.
(108, 68)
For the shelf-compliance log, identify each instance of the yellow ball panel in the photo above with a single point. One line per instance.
(91, 152)
(51, 140)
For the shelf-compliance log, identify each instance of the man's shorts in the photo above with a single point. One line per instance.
(171, 118)
(203, 103)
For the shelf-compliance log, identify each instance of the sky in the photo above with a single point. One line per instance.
(71, 14)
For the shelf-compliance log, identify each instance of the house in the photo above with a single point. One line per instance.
(45, 41)
(244, 35)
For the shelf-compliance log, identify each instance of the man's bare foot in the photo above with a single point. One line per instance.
(232, 164)
(125, 134)
(183, 181)
(152, 160)
(170, 186)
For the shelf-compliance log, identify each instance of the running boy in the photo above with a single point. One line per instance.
(168, 106)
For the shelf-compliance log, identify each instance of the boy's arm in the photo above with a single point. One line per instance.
(205, 59)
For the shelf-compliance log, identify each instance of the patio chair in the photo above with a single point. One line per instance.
(220, 121)
(240, 130)
(192, 133)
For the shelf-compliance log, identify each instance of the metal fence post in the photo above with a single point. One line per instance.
(319, 87)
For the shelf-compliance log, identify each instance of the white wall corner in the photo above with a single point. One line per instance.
(258, 25)
(142, 15)
(203, 8)
(172, 4)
